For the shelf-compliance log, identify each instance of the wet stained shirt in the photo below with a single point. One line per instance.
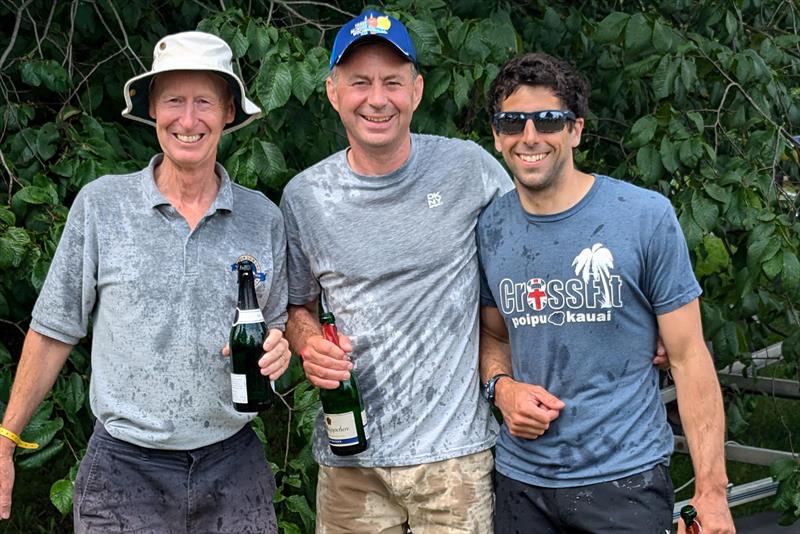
(579, 292)
(394, 258)
(161, 299)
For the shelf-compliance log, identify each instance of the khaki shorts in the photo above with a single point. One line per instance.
(451, 496)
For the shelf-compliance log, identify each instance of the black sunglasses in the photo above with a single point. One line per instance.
(547, 121)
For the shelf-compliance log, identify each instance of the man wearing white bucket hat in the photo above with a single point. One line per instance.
(147, 257)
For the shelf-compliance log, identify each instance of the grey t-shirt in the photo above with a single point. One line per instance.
(162, 300)
(394, 258)
(579, 292)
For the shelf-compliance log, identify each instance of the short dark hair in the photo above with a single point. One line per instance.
(538, 69)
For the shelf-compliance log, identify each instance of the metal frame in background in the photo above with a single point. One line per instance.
(732, 376)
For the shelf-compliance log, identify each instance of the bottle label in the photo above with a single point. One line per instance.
(341, 428)
(248, 316)
(239, 388)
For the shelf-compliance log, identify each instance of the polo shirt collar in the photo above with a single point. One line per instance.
(154, 198)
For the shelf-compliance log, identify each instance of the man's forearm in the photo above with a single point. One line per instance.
(495, 357)
(41, 360)
(302, 324)
(703, 419)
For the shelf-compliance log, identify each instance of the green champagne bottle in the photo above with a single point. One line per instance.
(250, 389)
(689, 516)
(345, 417)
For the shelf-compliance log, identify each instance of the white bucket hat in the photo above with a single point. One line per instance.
(189, 51)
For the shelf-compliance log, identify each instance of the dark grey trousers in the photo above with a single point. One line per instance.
(638, 504)
(226, 487)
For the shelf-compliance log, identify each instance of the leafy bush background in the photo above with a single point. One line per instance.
(697, 99)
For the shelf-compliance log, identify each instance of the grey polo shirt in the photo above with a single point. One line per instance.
(161, 299)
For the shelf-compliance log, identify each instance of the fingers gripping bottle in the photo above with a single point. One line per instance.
(689, 516)
(250, 389)
(343, 409)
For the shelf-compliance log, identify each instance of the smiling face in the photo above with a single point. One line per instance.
(191, 109)
(538, 161)
(375, 91)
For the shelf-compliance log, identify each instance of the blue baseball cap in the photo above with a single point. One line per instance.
(373, 25)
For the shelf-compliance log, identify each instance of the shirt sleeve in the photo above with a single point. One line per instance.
(303, 286)
(496, 181)
(69, 293)
(274, 310)
(669, 279)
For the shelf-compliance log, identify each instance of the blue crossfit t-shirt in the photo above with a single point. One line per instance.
(579, 292)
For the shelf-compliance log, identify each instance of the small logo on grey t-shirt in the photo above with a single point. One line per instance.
(434, 199)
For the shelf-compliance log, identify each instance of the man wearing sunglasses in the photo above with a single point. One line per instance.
(581, 274)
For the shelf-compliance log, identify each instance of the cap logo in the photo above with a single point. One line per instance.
(371, 26)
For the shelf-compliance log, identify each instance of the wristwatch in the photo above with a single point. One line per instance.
(488, 387)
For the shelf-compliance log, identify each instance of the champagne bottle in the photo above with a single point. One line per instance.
(345, 417)
(250, 389)
(689, 516)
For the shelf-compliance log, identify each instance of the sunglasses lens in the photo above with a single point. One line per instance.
(549, 122)
(510, 124)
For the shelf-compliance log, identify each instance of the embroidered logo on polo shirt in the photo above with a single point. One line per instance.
(434, 199)
(260, 275)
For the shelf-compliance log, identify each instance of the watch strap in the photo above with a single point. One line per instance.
(489, 387)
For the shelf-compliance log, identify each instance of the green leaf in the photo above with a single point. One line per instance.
(7, 216)
(274, 86)
(720, 194)
(668, 158)
(704, 211)
(772, 267)
(663, 37)
(40, 457)
(299, 505)
(288, 528)
(32, 194)
(664, 77)
(42, 433)
(731, 23)
(61, 495)
(715, 259)
(267, 159)
(461, 89)
(697, 120)
(790, 270)
(46, 139)
(258, 37)
(437, 82)
(610, 27)
(426, 39)
(238, 43)
(303, 81)
(638, 33)
(648, 160)
(13, 246)
(688, 72)
(457, 33)
(642, 131)
(48, 72)
(689, 152)
(70, 395)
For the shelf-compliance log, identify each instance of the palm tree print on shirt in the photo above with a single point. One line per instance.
(596, 263)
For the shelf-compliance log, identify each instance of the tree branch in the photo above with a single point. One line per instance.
(14, 33)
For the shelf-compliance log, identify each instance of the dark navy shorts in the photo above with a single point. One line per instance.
(640, 504)
(226, 487)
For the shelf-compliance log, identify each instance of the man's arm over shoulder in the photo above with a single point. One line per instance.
(701, 411)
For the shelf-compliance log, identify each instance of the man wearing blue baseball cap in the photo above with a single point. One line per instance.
(382, 234)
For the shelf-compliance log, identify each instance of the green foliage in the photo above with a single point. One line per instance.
(697, 100)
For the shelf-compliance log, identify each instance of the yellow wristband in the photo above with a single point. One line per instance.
(16, 439)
